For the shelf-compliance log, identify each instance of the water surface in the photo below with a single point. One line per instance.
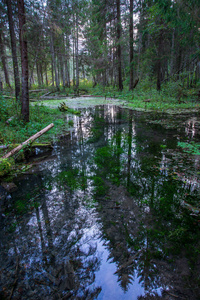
(113, 213)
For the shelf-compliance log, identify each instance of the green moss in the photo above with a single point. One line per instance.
(6, 166)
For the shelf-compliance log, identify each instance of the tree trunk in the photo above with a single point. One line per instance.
(159, 64)
(62, 65)
(58, 68)
(67, 73)
(41, 73)
(3, 58)
(172, 53)
(73, 59)
(52, 72)
(131, 46)
(178, 62)
(38, 74)
(46, 75)
(1, 85)
(120, 84)
(67, 62)
(14, 50)
(24, 60)
(54, 61)
(130, 137)
(76, 54)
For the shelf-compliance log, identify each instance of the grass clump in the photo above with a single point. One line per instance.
(16, 131)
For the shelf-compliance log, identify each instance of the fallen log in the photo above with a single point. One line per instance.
(53, 97)
(37, 91)
(43, 96)
(135, 83)
(10, 119)
(6, 96)
(96, 96)
(30, 140)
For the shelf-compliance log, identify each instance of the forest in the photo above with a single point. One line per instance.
(115, 45)
(100, 149)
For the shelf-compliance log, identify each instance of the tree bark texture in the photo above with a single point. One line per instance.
(120, 84)
(76, 53)
(159, 61)
(1, 85)
(54, 60)
(14, 50)
(3, 58)
(131, 46)
(24, 60)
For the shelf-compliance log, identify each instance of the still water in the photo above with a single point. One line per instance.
(111, 213)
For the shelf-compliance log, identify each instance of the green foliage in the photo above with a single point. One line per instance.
(6, 108)
(192, 148)
(73, 111)
(104, 156)
(64, 108)
(6, 166)
(108, 160)
(100, 187)
(70, 178)
(40, 116)
(162, 101)
(70, 123)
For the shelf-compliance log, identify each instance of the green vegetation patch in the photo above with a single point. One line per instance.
(6, 166)
(16, 131)
(192, 148)
(70, 178)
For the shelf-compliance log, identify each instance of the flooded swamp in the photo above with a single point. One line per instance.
(113, 212)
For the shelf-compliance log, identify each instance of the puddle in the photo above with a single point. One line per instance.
(82, 102)
(112, 214)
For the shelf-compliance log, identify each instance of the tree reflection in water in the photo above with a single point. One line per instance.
(105, 219)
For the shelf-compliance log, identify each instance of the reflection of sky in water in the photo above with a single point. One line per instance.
(108, 281)
(105, 277)
(73, 217)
